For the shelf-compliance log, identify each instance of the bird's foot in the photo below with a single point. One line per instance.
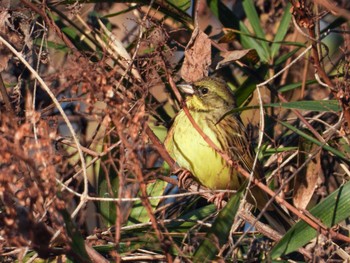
(182, 176)
(218, 200)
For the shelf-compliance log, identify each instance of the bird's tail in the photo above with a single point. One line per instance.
(275, 215)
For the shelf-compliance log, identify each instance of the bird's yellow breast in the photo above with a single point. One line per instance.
(193, 153)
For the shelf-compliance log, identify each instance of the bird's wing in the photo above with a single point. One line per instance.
(239, 149)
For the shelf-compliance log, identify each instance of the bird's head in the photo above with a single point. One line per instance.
(208, 94)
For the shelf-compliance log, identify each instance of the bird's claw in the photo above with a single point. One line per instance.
(182, 176)
(218, 200)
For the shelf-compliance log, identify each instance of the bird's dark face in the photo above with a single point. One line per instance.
(208, 94)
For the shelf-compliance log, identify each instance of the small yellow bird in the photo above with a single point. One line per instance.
(208, 100)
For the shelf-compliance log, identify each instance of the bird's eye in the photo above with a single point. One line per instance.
(204, 91)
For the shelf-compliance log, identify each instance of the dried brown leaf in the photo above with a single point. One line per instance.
(197, 57)
(305, 182)
(246, 56)
(229, 35)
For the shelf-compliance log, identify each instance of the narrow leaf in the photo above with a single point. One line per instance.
(282, 30)
(224, 14)
(139, 213)
(181, 4)
(319, 105)
(296, 85)
(249, 41)
(305, 181)
(249, 85)
(77, 250)
(332, 210)
(254, 20)
(219, 232)
(315, 141)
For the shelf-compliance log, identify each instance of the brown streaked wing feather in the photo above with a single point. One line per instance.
(233, 134)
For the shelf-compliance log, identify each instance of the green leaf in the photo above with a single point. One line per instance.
(230, 21)
(321, 106)
(77, 252)
(181, 4)
(70, 32)
(254, 21)
(226, 17)
(123, 247)
(245, 91)
(315, 141)
(219, 232)
(108, 209)
(191, 218)
(165, 7)
(121, 12)
(284, 57)
(296, 85)
(282, 30)
(271, 151)
(51, 44)
(139, 213)
(172, 11)
(249, 41)
(311, 105)
(249, 85)
(231, 34)
(332, 210)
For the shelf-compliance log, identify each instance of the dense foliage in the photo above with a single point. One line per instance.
(88, 90)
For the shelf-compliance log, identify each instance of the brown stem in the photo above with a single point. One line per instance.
(50, 23)
(310, 221)
(160, 147)
(5, 96)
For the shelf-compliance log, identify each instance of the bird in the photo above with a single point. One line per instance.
(210, 102)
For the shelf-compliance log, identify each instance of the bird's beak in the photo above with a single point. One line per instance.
(186, 88)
